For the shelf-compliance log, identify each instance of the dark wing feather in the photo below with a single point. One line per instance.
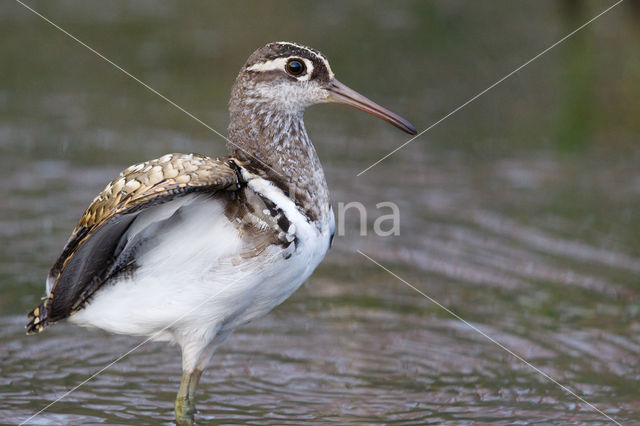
(94, 252)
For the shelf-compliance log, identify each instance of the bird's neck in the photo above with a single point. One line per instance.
(275, 144)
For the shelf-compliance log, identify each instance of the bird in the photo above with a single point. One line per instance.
(186, 247)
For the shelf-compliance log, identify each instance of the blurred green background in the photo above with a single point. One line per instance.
(521, 212)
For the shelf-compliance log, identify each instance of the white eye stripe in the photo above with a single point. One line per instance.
(280, 64)
(319, 56)
(307, 75)
(271, 65)
(316, 54)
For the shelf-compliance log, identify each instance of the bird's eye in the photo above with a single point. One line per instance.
(295, 67)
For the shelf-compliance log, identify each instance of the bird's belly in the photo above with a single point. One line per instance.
(184, 287)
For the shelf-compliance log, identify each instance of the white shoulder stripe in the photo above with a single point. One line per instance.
(276, 196)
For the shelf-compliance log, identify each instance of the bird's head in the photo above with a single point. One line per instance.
(287, 77)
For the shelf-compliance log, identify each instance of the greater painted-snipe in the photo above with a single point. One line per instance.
(185, 248)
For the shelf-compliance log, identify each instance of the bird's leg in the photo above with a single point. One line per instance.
(185, 405)
(194, 361)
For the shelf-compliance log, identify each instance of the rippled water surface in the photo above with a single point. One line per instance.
(521, 213)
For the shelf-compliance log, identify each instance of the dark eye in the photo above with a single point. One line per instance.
(295, 67)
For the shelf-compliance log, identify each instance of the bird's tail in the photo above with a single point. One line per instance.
(37, 319)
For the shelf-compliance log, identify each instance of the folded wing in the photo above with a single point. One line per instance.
(101, 245)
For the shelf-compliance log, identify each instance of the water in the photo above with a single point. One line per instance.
(511, 216)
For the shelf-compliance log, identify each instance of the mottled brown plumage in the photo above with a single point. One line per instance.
(267, 132)
(155, 179)
(137, 187)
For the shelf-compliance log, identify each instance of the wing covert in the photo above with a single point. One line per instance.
(90, 256)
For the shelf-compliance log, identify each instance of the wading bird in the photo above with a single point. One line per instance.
(186, 248)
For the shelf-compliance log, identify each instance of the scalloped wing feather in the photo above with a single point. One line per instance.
(109, 216)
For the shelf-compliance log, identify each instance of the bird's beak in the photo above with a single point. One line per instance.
(341, 94)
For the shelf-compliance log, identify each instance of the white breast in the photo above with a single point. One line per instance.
(283, 277)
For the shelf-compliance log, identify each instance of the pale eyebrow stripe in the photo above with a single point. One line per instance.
(318, 55)
(279, 64)
(270, 65)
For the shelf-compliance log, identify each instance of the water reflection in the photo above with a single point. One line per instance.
(537, 249)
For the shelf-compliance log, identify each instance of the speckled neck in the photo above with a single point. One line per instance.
(275, 145)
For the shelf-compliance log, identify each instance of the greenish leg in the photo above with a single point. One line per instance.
(185, 404)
